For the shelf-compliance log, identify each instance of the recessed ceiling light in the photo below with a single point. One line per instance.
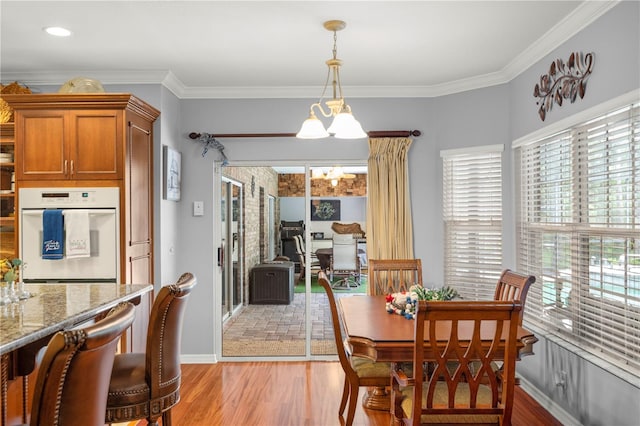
(58, 31)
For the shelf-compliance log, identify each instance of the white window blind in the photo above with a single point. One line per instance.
(472, 211)
(579, 234)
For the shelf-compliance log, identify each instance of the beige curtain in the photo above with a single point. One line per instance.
(389, 222)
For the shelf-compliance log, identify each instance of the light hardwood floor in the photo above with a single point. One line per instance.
(288, 394)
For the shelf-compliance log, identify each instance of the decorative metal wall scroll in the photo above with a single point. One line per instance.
(564, 81)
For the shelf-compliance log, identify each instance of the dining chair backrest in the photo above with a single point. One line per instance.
(300, 243)
(393, 275)
(338, 333)
(73, 377)
(299, 250)
(466, 332)
(165, 335)
(342, 238)
(514, 286)
(345, 253)
(155, 386)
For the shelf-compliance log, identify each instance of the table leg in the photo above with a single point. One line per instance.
(377, 398)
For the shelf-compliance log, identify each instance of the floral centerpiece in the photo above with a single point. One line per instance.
(10, 270)
(405, 303)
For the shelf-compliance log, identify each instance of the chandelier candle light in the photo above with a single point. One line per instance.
(344, 125)
(334, 175)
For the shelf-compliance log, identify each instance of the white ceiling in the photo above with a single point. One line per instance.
(249, 49)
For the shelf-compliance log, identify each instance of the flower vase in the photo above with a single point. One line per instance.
(13, 292)
(4, 293)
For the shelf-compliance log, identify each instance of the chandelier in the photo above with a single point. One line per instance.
(344, 125)
(334, 175)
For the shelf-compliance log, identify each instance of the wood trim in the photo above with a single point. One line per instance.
(84, 101)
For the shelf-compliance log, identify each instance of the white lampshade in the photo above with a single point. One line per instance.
(312, 128)
(317, 174)
(345, 126)
(335, 173)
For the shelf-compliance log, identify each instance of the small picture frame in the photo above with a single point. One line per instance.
(325, 210)
(172, 167)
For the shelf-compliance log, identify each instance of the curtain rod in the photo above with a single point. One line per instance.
(372, 134)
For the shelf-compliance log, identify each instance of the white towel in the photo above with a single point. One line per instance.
(77, 241)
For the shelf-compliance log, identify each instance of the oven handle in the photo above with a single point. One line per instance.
(91, 211)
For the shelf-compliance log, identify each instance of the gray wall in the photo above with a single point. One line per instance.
(495, 115)
(594, 394)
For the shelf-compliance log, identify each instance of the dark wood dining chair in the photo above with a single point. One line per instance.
(358, 371)
(439, 395)
(146, 385)
(514, 286)
(73, 378)
(393, 275)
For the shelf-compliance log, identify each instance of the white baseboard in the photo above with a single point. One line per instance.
(198, 359)
(547, 403)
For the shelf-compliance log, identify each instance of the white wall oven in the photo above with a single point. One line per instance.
(88, 215)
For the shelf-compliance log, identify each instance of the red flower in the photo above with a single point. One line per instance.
(389, 298)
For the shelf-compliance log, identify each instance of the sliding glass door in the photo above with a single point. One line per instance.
(280, 311)
(231, 251)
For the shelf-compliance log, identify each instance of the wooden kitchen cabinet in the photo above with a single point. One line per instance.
(8, 216)
(69, 144)
(87, 140)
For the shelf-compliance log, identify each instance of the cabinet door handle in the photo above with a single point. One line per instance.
(71, 167)
(65, 167)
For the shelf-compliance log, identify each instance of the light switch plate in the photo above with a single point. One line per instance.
(198, 208)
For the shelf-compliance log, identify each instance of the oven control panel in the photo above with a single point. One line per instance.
(68, 197)
(61, 198)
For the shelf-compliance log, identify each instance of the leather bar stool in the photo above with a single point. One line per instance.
(146, 385)
(73, 379)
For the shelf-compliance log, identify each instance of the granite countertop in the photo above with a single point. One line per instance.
(59, 306)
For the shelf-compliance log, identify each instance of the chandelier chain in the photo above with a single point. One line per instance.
(344, 125)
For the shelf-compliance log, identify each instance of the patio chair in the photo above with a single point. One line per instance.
(345, 261)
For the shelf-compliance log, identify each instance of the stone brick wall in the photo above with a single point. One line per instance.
(265, 183)
(292, 185)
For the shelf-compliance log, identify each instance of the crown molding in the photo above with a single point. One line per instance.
(580, 18)
(58, 77)
(572, 24)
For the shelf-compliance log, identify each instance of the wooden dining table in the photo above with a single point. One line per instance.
(378, 335)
